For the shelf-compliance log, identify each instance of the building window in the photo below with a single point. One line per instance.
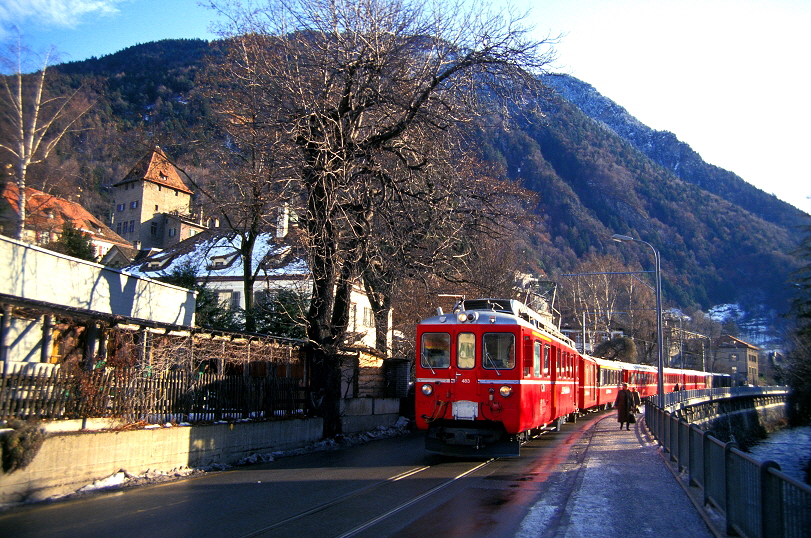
(192, 233)
(118, 228)
(172, 232)
(132, 226)
(228, 299)
(153, 229)
(368, 317)
(156, 207)
(134, 204)
(120, 207)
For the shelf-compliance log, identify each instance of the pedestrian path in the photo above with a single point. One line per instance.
(615, 483)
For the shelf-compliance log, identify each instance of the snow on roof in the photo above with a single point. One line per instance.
(216, 254)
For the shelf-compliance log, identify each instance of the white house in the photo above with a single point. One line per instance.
(214, 257)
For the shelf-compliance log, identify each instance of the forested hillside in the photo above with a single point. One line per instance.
(721, 239)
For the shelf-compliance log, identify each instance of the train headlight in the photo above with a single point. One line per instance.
(505, 391)
(463, 317)
(427, 389)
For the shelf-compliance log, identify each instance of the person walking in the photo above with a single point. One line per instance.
(624, 403)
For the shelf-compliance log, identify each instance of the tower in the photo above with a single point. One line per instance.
(153, 205)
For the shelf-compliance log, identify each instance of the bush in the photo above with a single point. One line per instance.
(20, 446)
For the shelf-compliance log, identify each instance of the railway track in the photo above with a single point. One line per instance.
(386, 488)
(367, 508)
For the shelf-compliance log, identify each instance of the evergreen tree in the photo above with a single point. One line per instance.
(281, 312)
(75, 243)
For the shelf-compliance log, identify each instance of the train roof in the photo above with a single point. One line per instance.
(499, 311)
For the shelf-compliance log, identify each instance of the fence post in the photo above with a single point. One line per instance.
(694, 447)
(728, 500)
(771, 501)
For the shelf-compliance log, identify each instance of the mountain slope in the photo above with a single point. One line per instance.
(594, 183)
(598, 171)
(666, 150)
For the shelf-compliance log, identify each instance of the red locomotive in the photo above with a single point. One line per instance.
(493, 372)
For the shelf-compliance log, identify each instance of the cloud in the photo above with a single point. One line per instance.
(52, 13)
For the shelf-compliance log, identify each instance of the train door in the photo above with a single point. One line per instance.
(541, 386)
(465, 379)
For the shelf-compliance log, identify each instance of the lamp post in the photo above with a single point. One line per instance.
(660, 385)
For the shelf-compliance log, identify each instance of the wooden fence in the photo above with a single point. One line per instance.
(135, 395)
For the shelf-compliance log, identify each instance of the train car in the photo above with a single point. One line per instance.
(642, 377)
(587, 390)
(489, 374)
(493, 372)
(609, 381)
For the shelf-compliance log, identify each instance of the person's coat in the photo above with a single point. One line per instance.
(623, 403)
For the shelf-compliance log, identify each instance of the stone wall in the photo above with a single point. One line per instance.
(744, 420)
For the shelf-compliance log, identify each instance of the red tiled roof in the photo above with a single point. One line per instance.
(156, 168)
(48, 212)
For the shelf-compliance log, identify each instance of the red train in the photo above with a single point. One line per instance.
(493, 372)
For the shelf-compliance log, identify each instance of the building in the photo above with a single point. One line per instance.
(738, 358)
(46, 216)
(278, 263)
(153, 206)
(42, 310)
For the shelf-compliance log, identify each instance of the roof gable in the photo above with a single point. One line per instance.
(156, 168)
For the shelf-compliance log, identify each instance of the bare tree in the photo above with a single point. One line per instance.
(604, 294)
(36, 119)
(362, 88)
(252, 162)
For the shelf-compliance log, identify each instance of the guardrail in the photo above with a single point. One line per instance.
(755, 498)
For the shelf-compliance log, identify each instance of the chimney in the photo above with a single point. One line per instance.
(281, 222)
(137, 245)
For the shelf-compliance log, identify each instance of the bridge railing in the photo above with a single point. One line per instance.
(755, 498)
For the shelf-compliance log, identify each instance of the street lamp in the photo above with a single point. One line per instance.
(660, 386)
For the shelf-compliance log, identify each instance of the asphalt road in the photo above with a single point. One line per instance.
(390, 487)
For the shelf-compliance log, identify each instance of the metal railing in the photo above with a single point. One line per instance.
(755, 498)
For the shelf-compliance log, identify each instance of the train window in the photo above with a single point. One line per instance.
(466, 351)
(546, 360)
(499, 351)
(436, 350)
(536, 360)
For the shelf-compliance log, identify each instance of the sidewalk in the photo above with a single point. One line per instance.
(615, 484)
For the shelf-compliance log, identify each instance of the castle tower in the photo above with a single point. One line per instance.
(153, 205)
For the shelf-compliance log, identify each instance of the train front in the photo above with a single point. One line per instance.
(467, 392)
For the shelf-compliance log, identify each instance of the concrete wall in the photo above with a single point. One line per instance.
(364, 414)
(34, 273)
(744, 419)
(69, 460)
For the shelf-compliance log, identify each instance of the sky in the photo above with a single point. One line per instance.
(728, 77)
